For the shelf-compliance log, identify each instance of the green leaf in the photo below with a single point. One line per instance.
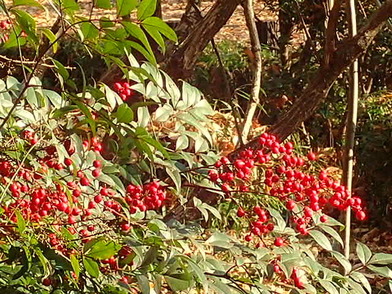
(381, 270)
(102, 249)
(144, 284)
(281, 224)
(381, 258)
(124, 114)
(143, 135)
(179, 282)
(138, 33)
(104, 4)
(329, 287)
(204, 107)
(174, 174)
(342, 260)
(359, 277)
(27, 3)
(143, 116)
(150, 256)
(193, 122)
(91, 267)
(363, 252)
(321, 239)
(356, 287)
(27, 23)
(156, 35)
(124, 7)
(44, 262)
(89, 31)
(198, 272)
(52, 39)
(75, 265)
(25, 115)
(147, 54)
(219, 240)
(25, 264)
(70, 5)
(54, 98)
(182, 142)
(20, 222)
(160, 26)
(332, 232)
(146, 9)
(163, 113)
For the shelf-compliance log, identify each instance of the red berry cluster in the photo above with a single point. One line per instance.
(150, 196)
(275, 170)
(5, 26)
(123, 89)
(75, 198)
(93, 144)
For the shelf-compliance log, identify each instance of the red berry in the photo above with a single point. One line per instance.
(279, 242)
(248, 238)
(98, 198)
(360, 215)
(277, 269)
(97, 163)
(68, 161)
(85, 182)
(290, 205)
(125, 227)
(96, 172)
(312, 156)
(240, 212)
(47, 282)
(324, 218)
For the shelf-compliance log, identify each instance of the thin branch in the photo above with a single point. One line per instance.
(351, 125)
(257, 67)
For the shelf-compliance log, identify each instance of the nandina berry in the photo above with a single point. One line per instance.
(97, 163)
(324, 218)
(248, 238)
(125, 227)
(279, 242)
(240, 212)
(277, 269)
(360, 215)
(312, 156)
(85, 182)
(213, 175)
(98, 198)
(47, 282)
(96, 172)
(68, 161)
(290, 205)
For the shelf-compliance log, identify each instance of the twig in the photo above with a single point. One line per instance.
(256, 77)
(351, 125)
(23, 62)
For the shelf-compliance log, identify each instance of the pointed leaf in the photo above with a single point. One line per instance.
(321, 239)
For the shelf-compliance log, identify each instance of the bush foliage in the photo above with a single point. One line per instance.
(119, 188)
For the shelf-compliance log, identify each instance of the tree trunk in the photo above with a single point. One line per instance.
(181, 62)
(346, 52)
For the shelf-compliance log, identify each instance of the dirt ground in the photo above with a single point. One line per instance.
(172, 10)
